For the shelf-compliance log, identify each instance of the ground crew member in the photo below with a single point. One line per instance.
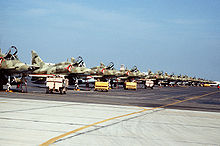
(218, 87)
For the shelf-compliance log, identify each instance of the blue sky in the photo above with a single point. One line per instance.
(174, 36)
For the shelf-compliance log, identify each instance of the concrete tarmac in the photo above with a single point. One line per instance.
(116, 117)
(141, 97)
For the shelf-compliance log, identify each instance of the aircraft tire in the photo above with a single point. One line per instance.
(61, 91)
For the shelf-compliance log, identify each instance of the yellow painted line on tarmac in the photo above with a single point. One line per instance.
(52, 140)
(3, 102)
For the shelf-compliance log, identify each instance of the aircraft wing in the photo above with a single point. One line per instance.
(96, 76)
(41, 75)
(9, 68)
(33, 67)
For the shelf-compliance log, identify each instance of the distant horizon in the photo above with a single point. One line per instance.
(180, 37)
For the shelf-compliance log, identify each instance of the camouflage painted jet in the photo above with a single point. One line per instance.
(103, 72)
(165, 79)
(75, 67)
(130, 75)
(72, 70)
(11, 68)
(159, 77)
(45, 68)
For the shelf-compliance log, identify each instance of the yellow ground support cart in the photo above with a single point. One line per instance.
(131, 85)
(206, 85)
(101, 86)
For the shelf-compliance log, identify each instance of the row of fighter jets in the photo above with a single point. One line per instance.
(13, 71)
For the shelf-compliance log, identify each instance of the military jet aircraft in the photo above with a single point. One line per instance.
(103, 72)
(12, 70)
(159, 78)
(132, 75)
(46, 69)
(65, 68)
(72, 70)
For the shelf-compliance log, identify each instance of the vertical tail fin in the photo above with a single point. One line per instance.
(73, 60)
(1, 52)
(1, 55)
(122, 67)
(102, 65)
(36, 60)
